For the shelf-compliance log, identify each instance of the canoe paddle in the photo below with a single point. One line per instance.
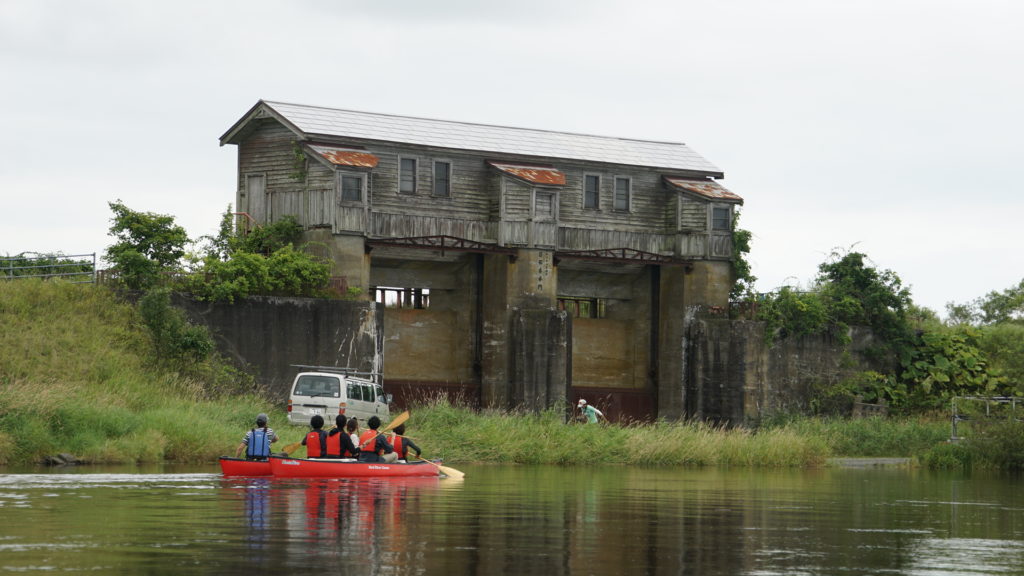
(447, 471)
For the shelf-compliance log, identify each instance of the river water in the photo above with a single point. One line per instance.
(527, 520)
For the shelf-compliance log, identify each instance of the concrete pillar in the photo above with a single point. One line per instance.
(524, 344)
(671, 347)
(708, 284)
(348, 256)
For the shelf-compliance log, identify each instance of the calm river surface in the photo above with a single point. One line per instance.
(528, 520)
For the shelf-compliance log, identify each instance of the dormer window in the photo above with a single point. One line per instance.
(720, 218)
(351, 186)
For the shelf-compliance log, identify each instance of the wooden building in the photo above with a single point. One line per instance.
(514, 267)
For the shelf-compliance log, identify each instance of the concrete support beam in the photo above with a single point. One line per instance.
(524, 345)
(708, 284)
(671, 346)
(348, 256)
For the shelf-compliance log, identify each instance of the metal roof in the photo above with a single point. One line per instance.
(345, 156)
(537, 174)
(312, 121)
(706, 188)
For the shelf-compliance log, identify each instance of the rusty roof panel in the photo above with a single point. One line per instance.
(346, 156)
(706, 188)
(547, 175)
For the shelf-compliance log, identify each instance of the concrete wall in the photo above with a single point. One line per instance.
(728, 372)
(734, 376)
(266, 335)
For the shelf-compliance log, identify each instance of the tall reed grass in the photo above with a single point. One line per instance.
(78, 375)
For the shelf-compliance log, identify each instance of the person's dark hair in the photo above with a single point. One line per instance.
(317, 422)
(339, 420)
(353, 425)
(373, 422)
(400, 429)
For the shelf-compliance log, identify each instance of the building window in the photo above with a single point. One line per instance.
(720, 219)
(544, 206)
(351, 188)
(622, 192)
(407, 176)
(591, 191)
(583, 307)
(395, 297)
(442, 179)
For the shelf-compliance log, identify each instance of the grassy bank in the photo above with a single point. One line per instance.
(79, 375)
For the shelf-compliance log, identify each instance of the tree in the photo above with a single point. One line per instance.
(857, 293)
(743, 277)
(147, 244)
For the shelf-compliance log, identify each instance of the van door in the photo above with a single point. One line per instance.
(380, 405)
(358, 407)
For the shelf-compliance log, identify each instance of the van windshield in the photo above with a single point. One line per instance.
(324, 386)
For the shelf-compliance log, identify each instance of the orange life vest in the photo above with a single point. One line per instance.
(399, 446)
(368, 442)
(334, 444)
(314, 448)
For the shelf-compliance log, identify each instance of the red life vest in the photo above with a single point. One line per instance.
(399, 446)
(334, 444)
(368, 442)
(313, 447)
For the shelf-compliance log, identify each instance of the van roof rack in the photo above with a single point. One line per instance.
(335, 369)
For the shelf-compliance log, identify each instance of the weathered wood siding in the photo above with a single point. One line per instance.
(267, 152)
(693, 216)
(484, 204)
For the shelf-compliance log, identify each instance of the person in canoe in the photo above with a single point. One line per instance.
(257, 441)
(316, 440)
(373, 446)
(402, 444)
(353, 431)
(339, 443)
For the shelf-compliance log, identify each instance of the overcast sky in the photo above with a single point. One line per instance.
(890, 126)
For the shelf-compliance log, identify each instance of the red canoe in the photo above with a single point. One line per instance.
(242, 467)
(324, 468)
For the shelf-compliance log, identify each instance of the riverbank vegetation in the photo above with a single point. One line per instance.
(85, 372)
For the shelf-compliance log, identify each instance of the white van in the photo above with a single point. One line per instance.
(329, 394)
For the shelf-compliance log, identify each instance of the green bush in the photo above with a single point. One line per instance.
(173, 336)
(147, 244)
(948, 456)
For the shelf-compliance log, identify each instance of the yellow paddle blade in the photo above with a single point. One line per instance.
(447, 471)
(451, 472)
(291, 447)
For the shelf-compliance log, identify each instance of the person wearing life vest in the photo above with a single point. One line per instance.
(316, 440)
(257, 441)
(402, 444)
(339, 443)
(373, 446)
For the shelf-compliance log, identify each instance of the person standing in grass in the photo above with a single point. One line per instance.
(402, 444)
(257, 441)
(589, 412)
(316, 440)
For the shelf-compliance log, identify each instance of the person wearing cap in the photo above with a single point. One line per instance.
(257, 441)
(589, 412)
